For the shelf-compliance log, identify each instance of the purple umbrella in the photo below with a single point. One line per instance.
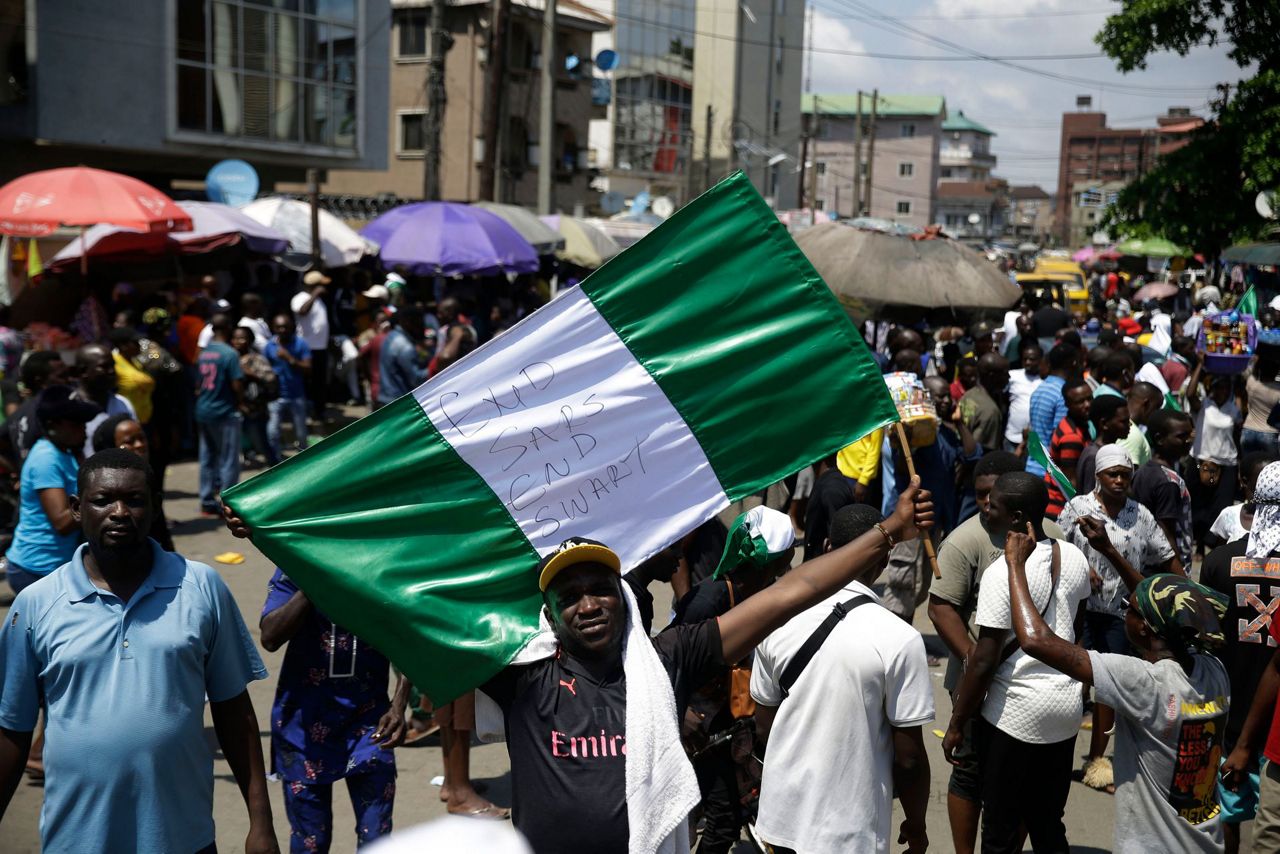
(449, 239)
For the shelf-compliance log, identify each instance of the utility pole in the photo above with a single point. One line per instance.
(804, 163)
(490, 118)
(857, 159)
(706, 150)
(815, 130)
(313, 196)
(871, 150)
(433, 121)
(547, 110)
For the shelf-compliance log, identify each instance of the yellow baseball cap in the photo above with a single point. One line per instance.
(573, 552)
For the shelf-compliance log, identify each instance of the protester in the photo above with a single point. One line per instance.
(1023, 383)
(1171, 702)
(583, 685)
(260, 387)
(1118, 537)
(457, 336)
(121, 431)
(1247, 582)
(873, 667)
(1114, 373)
(1068, 442)
(401, 365)
(983, 407)
(1235, 522)
(134, 383)
(129, 764)
(1262, 393)
(1048, 407)
(47, 532)
(963, 557)
(1144, 400)
(291, 361)
(370, 355)
(38, 370)
(1158, 486)
(251, 307)
(331, 720)
(957, 445)
(96, 370)
(1212, 478)
(1029, 713)
(966, 377)
(219, 404)
(308, 306)
(1109, 416)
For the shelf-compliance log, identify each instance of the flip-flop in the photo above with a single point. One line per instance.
(489, 813)
(418, 735)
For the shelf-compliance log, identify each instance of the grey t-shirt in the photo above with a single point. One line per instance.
(964, 556)
(1169, 729)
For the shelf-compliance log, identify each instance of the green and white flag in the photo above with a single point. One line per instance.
(1248, 303)
(703, 364)
(1037, 451)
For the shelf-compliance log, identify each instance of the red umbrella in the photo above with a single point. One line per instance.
(36, 204)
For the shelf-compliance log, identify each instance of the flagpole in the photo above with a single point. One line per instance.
(911, 470)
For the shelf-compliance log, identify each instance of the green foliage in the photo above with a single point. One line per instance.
(1202, 195)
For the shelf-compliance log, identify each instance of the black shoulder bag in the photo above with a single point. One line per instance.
(811, 646)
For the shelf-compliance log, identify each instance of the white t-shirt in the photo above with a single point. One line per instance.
(831, 786)
(1020, 388)
(1216, 432)
(1028, 699)
(261, 332)
(205, 336)
(1228, 525)
(313, 327)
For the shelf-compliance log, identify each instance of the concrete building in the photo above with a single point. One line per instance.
(973, 210)
(1093, 154)
(1030, 216)
(966, 150)
(462, 140)
(905, 167)
(1088, 202)
(164, 90)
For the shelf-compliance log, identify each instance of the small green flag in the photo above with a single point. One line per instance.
(1171, 402)
(1248, 303)
(1040, 454)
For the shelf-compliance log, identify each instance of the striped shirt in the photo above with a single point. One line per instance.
(1064, 449)
(1048, 408)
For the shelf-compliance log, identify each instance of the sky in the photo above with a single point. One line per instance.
(1024, 109)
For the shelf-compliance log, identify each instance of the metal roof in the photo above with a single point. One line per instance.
(886, 105)
(962, 122)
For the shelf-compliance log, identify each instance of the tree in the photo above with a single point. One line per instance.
(1202, 194)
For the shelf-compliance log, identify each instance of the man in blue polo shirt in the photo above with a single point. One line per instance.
(121, 646)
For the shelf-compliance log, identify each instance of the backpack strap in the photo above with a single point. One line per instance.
(811, 646)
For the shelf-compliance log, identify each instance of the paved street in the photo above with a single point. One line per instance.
(1089, 814)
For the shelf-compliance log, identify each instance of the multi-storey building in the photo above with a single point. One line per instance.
(966, 150)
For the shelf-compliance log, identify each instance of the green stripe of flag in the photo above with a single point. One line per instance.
(392, 534)
(1039, 453)
(735, 339)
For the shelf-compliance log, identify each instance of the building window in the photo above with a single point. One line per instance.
(908, 130)
(413, 35)
(411, 135)
(245, 71)
(946, 172)
(906, 170)
(822, 168)
(904, 207)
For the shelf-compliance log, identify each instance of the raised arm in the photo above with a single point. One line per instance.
(1095, 532)
(1034, 635)
(811, 582)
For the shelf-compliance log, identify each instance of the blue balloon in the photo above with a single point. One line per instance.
(231, 182)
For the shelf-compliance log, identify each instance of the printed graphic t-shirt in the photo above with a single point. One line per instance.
(1169, 730)
(567, 737)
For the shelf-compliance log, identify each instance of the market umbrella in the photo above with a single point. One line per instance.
(544, 239)
(1028, 247)
(621, 232)
(1151, 247)
(584, 244)
(867, 270)
(214, 226)
(38, 203)
(1155, 290)
(888, 226)
(450, 239)
(340, 245)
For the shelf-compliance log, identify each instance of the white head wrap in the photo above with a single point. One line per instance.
(757, 536)
(1264, 536)
(1110, 456)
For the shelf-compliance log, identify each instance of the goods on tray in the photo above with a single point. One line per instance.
(1227, 341)
(914, 407)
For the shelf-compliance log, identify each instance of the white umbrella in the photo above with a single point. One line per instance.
(340, 245)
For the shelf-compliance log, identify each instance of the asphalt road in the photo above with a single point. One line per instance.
(1090, 815)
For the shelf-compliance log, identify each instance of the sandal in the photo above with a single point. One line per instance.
(1099, 775)
(417, 735)
(492, 813)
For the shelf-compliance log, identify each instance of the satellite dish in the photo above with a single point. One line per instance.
(607, 60)
(612, 202)
(663, 206)
(974, 219)
(1266, 203)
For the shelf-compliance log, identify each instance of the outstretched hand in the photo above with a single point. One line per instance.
(1095, 531)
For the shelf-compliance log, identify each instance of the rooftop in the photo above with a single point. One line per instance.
(1029, 192)
(886, 105)
(962, 122)
(967, 189)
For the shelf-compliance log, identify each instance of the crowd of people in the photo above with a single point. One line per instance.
(1106, 517)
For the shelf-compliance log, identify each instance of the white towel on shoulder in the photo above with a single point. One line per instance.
(662, 788)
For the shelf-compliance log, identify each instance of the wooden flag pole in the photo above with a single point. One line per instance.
(911, 470)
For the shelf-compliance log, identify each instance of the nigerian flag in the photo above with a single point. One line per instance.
(1248, 303)
(1037, 451)
(703, 364)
